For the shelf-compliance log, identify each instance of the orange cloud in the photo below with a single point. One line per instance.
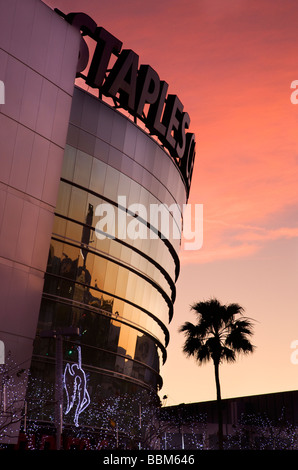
(231, 63)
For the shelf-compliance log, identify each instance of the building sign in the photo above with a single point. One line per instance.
(137, 89)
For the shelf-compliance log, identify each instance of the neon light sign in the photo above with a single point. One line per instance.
(75, 384)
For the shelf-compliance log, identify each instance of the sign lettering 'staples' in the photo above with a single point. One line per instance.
(137, 89)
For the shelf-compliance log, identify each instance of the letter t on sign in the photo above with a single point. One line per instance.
(107, 45)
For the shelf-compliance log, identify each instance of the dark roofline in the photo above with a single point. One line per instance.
(245, 397)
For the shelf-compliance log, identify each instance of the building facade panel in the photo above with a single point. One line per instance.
(33, 128)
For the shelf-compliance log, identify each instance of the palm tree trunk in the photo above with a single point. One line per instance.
(219, 406)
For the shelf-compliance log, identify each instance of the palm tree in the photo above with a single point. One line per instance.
(220, 336)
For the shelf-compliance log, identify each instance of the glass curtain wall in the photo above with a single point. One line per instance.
(116, 286)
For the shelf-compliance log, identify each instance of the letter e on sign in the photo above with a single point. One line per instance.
(2, 353)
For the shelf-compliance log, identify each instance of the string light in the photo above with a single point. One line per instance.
(128, 420)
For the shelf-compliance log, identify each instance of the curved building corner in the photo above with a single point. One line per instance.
(117, 288)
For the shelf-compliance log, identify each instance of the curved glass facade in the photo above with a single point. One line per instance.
(118, 289)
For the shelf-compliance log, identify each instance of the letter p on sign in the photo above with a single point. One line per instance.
(2, 353)
(2, 92)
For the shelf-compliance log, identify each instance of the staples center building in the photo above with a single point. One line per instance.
(65, 153)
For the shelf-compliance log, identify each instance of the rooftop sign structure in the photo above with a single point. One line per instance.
(137, 89)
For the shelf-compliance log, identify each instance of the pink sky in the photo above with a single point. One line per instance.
(231, 62)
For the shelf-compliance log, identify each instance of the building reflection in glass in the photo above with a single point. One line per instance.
(119, 292)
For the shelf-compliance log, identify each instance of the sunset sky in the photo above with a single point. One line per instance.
(231, 63)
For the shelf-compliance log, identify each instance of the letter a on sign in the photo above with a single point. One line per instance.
(2, 353)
